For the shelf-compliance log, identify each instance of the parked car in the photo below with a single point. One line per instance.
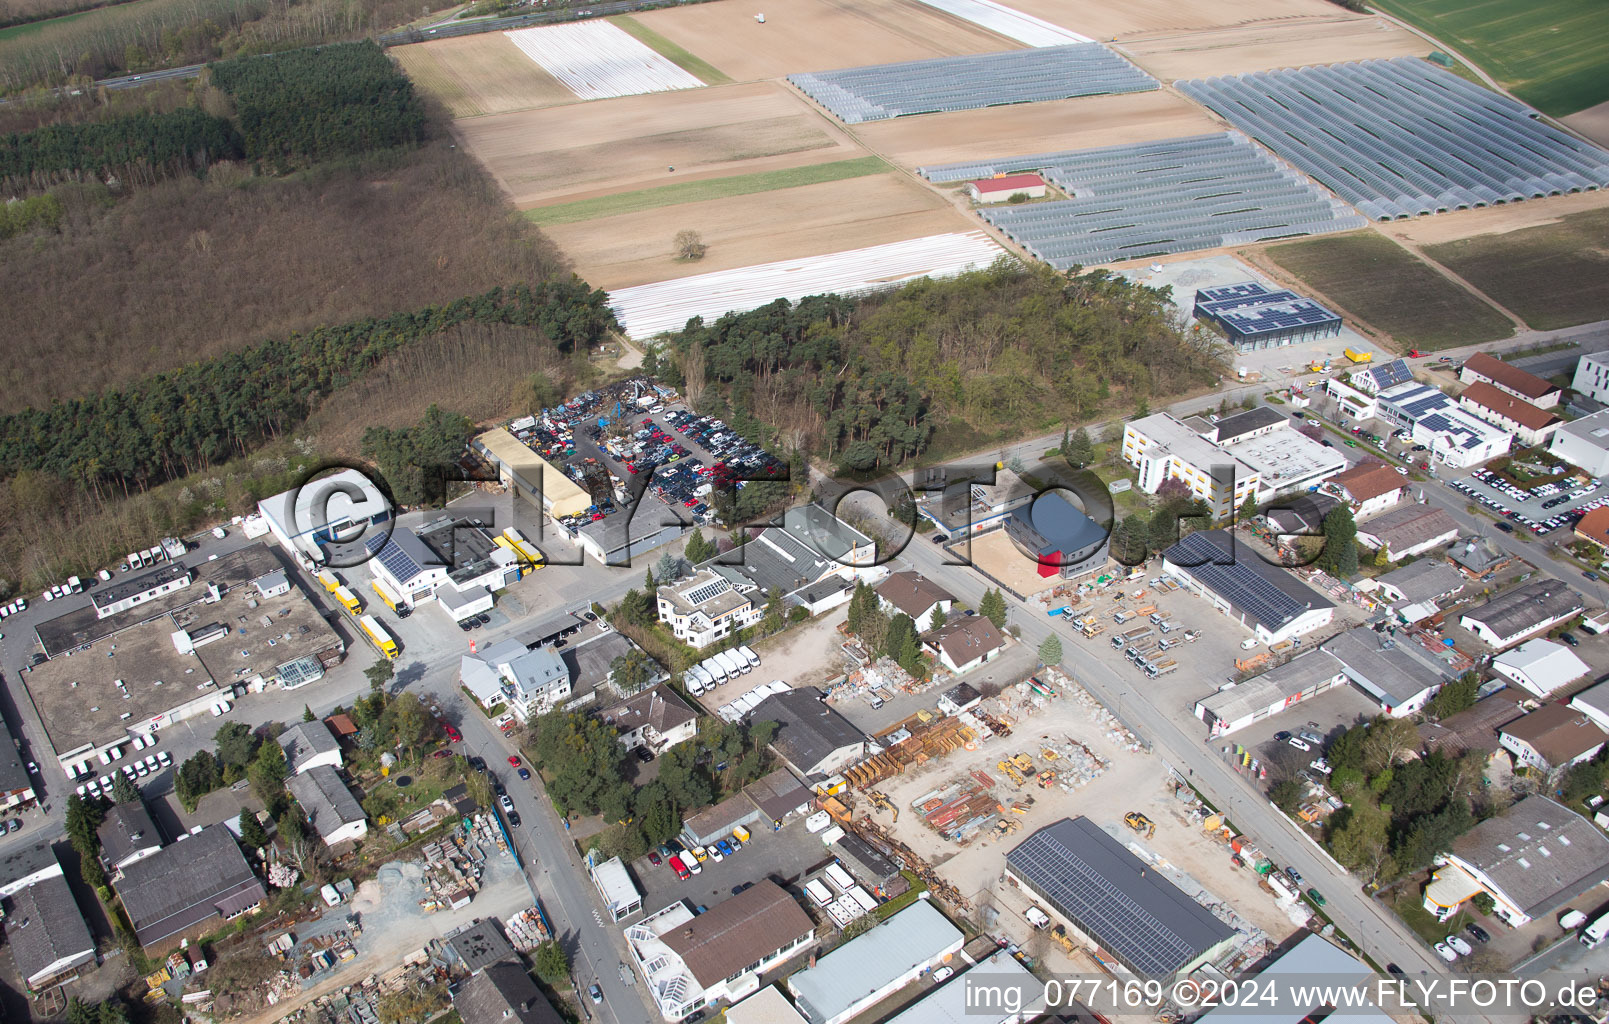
(1316, 896)
(1299, 744)
(677, 866)
(654, 858)
(505, 803)
(1477, 932)
(596, 993)
(525, 773)
(1463, 948)
(1294, 875)
(1570, 639)
(514, 759)
(943, 974)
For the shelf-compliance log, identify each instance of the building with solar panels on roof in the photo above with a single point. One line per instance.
(1254, 316)
(454, 561)
(1114, 902)
(1269, 600)
(1454, 437)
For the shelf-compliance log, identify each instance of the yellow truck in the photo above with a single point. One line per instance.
(329, 581)
(387, 596)
(1360, 357)
(348, 600)
(377, 633)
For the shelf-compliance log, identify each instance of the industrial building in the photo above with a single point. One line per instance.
(950, 1004)
(1408, 530)
(1114, 902)
(1253, 316)
(16, 785)
(341, 508)
(1284, 459)
(187, 888)
(691, 961)
(44, 926)
(1357, 391)
(127, 834)
(1473, 728)
(1584, 443)
(1235, 706)
(1481, 368)
(1299, 515)
(767, 1006)
(1162, 447)
(1001, 188)
(1530, 425)
(452, 560)
(875, 964)
(1516, 614)
(479, 945)
(122, 595)
(1058, 537)
(1540, 666)
(173, 658)
(1416, 591)
(966, 506)
(620, 895)
(811, 737)
(1311, 959)
(1592, 376)
(1368, 489)
(1500, 857)
(330, 807)
(813, 559)
(1268, 600)
(1594, 703)
(911, 593)
(1553, 736)
(1454, 437)
(529, 475)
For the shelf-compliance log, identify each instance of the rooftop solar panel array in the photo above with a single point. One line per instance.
(1389, 375)
(1237, 581)
(883, 91)
(1249, 309)
(1399, 138)
(1150, 199)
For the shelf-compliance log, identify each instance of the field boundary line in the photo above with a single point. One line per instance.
(680, 56)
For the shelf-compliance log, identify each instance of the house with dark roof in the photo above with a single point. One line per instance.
(16, 785)
(187, 888)
(1532, 859)
(1530, 425)
(1267, 599)
(813, 560)
(1299, 514)
(1553, 736)
(43, 925)
(1408, 530)
(1368, 489)
(960, 698)
(127, 834)
(1241, 426)
(692, 961)
(1111, 900)
(1421, 582)
(1059, 538)
(1518, 613)
(1481, 368)
(915, 595)
(309, 744)
(655, 719)
(965, 642)
(1478, 555)
(812, 737)
(777, 795)
(503, 994)
(1474, 728)
(331, 809)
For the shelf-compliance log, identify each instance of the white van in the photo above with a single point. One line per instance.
(714, 670)
(695, 685)
(749, 656)
(731, 663)
(1248, 643)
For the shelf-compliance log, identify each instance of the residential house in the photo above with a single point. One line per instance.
(1594, 527)
(1552, 736)
(1532, 860)
(503, 993)
(330, 807)
(1481, 368)
(915, 595)
(308, 745)
(1479, 556)
(1474, 728)
(1530, 425)
(705, 608)
(531, 682)
(1300, 514)
(127, 834)
(1368, 489)
(965, 642)
(655, 719)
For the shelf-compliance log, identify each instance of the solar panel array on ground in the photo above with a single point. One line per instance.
(1153, 198)
(1399, 138)
(1249, 309)
(883, 91)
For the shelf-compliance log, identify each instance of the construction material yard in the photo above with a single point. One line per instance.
(996, 554)
(1387, 287)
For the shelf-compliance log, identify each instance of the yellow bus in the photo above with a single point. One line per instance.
(349, 600)
(377, 633)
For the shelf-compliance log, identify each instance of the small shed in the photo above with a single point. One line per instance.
(1002, 188)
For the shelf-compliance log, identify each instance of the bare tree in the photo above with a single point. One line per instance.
(689, 245)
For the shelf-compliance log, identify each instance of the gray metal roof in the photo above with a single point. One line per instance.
(187, 883)
(45, 929)
(1230, 428)
(481, 945)
(1540, 854)
(1394, 674)
(1304, 512)
(328, 804)
(971, 81)
(808, 731)
(1278, 684)
(1312, 960)
(1409, 525)
(126, 830)
(1400, 138)
(872, 961)
(1526, 606)
(1117, 899)
(306, 740)
(1150, 199)
(502, 993)
(1424, 580)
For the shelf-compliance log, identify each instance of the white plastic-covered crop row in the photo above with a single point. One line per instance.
(596, 60)
(1009, 22)
(649, 309)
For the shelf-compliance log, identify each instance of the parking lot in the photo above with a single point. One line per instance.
(1552, 506)
(781, 856)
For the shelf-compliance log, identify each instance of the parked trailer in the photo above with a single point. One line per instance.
(819, 893)
(387, 596)
(1592, 935)
(839, 878)
(329, 581)
(377, 633)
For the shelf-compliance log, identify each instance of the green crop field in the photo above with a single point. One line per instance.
(1553, 54)
(1551, 276)
(698, 67)
(1381, 283)
(710, 188)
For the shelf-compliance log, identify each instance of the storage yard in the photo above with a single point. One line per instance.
(646, 310)
(1437, 142)
(597, 60)
(1152, 199)
(875, 93)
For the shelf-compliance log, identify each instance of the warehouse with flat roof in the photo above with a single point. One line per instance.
(1253, 316)
(1115, 901)
(1269, 600)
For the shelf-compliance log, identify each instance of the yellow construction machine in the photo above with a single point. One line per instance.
(1140, 823)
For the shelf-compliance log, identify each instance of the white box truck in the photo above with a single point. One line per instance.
(749, 656)
(732, 665)
(715, 670)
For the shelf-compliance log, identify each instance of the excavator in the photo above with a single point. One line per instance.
(1140, 824)
(883, 803)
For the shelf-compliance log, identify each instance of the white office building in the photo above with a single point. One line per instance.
(332, 509)
(1592, 376)
(1584, 443)
(1162, 447)
(1455, 438)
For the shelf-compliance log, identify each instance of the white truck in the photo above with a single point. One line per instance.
(748, 655)
(734, 666)
(714, 669)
